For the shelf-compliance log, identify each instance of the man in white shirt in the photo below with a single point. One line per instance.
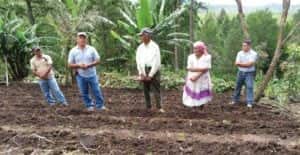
(245, 61)
(148, 65)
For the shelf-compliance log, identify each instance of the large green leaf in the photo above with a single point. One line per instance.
(144, 14)
(118, 37)
(1, 24)
(70, 4)
(161, 11)
(127, 27)
(127, 17)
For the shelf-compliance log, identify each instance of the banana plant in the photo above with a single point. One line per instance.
(147, 14)
(15, 43)
(71, 16)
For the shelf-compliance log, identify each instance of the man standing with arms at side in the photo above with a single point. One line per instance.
(148, 65)
(41, 66)
(245, 61)
(84, 58)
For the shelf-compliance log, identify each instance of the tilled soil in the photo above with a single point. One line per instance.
(30, 126)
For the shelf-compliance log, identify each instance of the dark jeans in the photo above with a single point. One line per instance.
(154, 86)
(248, 79)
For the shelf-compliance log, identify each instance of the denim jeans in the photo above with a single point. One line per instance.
(52, 91)
(248, 79)
(84, 83)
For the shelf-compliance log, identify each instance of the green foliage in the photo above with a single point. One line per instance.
(291, 69)
(296, 16)
(15, 40)
(263, 30)
(296, 23)
(223, 36)
(143, 14)
(172, 80)
(277, 89)
(208, 27)
(221, 85)
(288, 88)
(146, 16)
(169, 80)
(118, 80)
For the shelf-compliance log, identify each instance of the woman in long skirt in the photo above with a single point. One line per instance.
(197, 90)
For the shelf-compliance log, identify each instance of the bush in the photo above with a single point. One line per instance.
(169, 80)
(221, 85)
(287, 88)
(118, 80)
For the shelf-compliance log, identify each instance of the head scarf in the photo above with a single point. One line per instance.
(201, 46)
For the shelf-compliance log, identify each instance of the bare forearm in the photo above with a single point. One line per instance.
(35, 73)
(250, 64)
(197, 70)
(47, 72)
(74, 66)
(95, 63)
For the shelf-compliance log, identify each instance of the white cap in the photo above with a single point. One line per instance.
(82, 34)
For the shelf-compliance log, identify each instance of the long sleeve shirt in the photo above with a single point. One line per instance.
(148, 56)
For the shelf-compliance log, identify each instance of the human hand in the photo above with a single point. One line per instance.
(83, 66)
(194, 78)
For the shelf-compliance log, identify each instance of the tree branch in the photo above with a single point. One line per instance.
(242, 19)
(278, 51)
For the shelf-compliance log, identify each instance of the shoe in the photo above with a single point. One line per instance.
(65, 104)
(161, 110)
(249, 105)
(51, 104)
(103, 108)
(232, 103)
(90, 109)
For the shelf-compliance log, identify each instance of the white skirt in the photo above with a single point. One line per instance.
(197, 93)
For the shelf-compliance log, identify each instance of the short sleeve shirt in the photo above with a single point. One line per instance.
(84, 56)
(41, 64)
(246, 57)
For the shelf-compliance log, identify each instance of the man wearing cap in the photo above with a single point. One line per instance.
(245, 61)
(41, 66)
(84, 58)
(148, 65)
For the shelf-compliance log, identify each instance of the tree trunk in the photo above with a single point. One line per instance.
(191, 26)
(69, 77)
(242, 19)
(176, 65)
(29, 12)
(277, 53)
(6, 71)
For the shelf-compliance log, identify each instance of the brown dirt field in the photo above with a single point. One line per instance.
(29, 126)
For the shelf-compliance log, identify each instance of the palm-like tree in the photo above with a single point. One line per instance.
(148, 13)
(15, 43)
(71, 16)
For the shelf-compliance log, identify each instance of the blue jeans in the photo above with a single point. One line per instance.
(84, 83)
(52, 91)
(248, 79)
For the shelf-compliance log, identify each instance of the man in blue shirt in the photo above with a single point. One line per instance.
(245, 61)
(84, 58)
